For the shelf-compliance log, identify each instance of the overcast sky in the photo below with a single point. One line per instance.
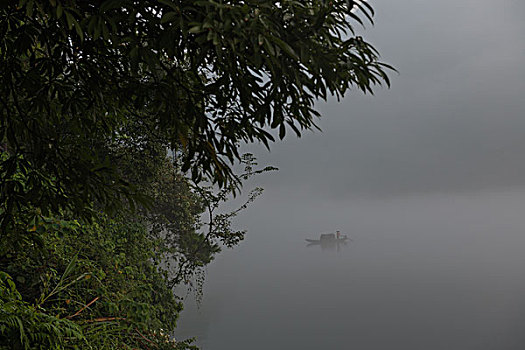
(454, 119)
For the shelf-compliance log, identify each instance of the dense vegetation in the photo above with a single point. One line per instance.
(113, 114)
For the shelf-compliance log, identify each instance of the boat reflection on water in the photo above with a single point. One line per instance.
(329, 241)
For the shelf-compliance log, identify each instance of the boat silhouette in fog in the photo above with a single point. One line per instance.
(328, 238)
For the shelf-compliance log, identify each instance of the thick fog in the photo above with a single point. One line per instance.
(453, 120)
(427, 178)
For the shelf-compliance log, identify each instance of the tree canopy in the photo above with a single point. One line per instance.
(201, 76)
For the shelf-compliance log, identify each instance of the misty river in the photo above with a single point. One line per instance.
(423, 271)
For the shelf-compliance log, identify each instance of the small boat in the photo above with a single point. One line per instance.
(328, 238)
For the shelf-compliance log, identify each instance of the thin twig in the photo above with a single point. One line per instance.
(105, 319)
(143, 337)
(82, 309)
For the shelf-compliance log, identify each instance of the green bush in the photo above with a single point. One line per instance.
(87, 286)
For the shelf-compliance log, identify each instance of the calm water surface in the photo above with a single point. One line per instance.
(442, 271)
